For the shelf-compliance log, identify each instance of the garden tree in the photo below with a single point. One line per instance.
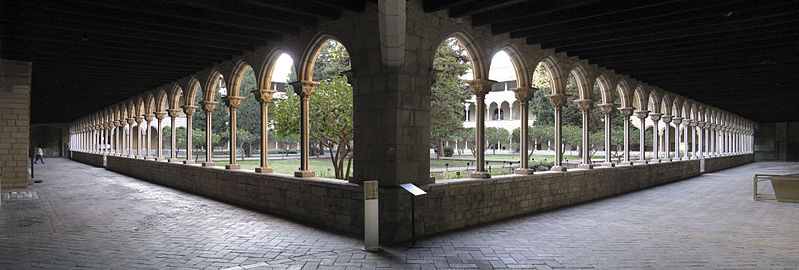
(331, 110)
(220, 116)
(467, 136)
(331, 61)
(283, 142)
(635, 135)
(496, 137)
(249, 113)
(243, 138)
(449, 93)
(167, 137)
(595, 142)
(572, 136)
(535, 133)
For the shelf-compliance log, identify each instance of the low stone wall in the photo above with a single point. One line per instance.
(713, 164)
(449, 204)
(332, 204)
(95, 160)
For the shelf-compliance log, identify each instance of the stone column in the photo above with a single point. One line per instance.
(139, 120)
(607, 108)
(209, 107)
(713, 141)
(692, 125)
(585, 107)
(115, 139)
(666, 121)
(264, 97)
(304, 89)
(480, 88)
(129, 142)
(655, 133)
(524, 94)
(687, 125)
(626, 112)
(148, 144)
(558, 100)
(706, 139)
(642, 114)
(233, 102)
(173, 155)
(160, 117)
(189, 111)
(677, 121)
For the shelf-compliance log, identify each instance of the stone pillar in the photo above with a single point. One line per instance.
(304, 89)
(173, 155)
(524, 94)
(626, 112)
(233, 102)
(655, 141)
(264, 97)
(139, 120)
(607, 108)
(693, 125)
(558, 100)
(713, 134)
(666, 121)
(209, 107)
(677, 121)
(189, 111)
(706, 139)
(148, 144)
(160, 117)
(131, 120)
(118, 143)
(687, 125)
(642, 114)
(585, 107)
(480, 88)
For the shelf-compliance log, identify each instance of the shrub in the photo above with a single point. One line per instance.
(448, 151)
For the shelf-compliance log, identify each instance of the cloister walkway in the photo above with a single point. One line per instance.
(91, 217)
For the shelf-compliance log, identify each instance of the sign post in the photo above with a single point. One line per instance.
(415, 192)
(371, 232)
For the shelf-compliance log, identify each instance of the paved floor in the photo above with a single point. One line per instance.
(93, 218)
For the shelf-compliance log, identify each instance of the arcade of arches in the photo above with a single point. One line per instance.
(391, 104)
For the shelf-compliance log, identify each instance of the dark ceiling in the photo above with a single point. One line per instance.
(740, 56)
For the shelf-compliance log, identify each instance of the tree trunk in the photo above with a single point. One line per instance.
(440, 151)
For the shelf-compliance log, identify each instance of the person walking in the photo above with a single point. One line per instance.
(39, 154)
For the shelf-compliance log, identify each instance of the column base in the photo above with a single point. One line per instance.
(263, 170)
(558, 169)
(232, 166)
(480, 174)
(139, 157)
(160, 159)
(585, 166)
(304, 174)
(208, 164)
(685, 158)
(523, 171)
(626, 163)
(131, 156)
(608, 165)
(188, 161)
(641, 162)
(655, 160)
(175, 160)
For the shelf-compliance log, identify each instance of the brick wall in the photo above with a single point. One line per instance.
(15, 89)
(719, 163)
(88, 158)
(449, 205)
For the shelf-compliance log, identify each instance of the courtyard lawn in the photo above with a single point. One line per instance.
(289, 166)
(516, 157)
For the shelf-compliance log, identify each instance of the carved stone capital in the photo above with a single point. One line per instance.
(557, 100)
(263, 95)
(209, 106)
(139, 119)
(189, 109)
(173, 112)
(232, 101)
(149, 117)
(160, 115)
(666, 118)
(480, 87)
(655, 116)
(584, 104)
(607, 108)
(693, 123)
(524, 93)
(131, 121)
(304, 88)
(641, 114)
(117, 123)
(626, 111)
(676, 120)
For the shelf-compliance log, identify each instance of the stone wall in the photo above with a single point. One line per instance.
(450, 204)
(95, 160)
(719, 163)
(15, 100)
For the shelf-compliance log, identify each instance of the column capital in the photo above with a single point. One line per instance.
(304, 88)
(149, 117)
(524, 93)
(607, 108)
(209, 106)
(641, 113)
(584, 104)
(480, 87)
(263, 95)
(676, 120)
(189, 109)
(626, 111)
(232, 101)
(557, 100)
(116, 123)
(131, 121)
(139, 119)
(693, 123)
(655, 116)
(666, 118)
(160, 115)
(173, 112)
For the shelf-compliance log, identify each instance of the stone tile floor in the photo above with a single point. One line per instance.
(88, 217)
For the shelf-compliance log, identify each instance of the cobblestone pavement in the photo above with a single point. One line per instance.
(88, 217)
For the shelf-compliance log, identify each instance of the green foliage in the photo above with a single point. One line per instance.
(449, 93)
(249, 112)
(496, 137)
(448, 151)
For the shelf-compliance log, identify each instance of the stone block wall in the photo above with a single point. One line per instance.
(719, 163)
(15, 100)
(88, 158)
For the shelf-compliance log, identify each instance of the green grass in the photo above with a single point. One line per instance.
(289, 166)
(516, 157)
